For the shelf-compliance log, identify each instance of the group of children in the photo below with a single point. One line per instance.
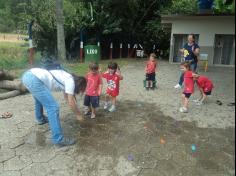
(113, 77)
(94, 88)
(190, 78)
(204, 84)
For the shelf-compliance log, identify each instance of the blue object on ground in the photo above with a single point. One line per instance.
(193, 147)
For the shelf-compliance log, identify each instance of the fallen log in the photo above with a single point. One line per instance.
(13, 85)
(10, 94)
(6, 75)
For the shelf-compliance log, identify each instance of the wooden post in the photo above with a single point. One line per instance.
(121, 46)
(128, 50)
(31, 48)
(81, 51)
(111, 48)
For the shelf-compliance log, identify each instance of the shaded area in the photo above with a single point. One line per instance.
(136, 132)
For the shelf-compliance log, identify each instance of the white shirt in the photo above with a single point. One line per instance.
(66, 79)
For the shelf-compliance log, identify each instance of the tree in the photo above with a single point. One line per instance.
(60, 31)
(225, 6)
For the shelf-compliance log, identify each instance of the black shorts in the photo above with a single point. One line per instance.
(151, 77)
(91, 101)
(207, 93)
(187, 95)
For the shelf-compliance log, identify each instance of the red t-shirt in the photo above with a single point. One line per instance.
(204, 83)
(151, 67)
(188, 82)
(113, 83)
(93, 82)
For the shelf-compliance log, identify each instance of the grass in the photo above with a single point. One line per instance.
(82, 68)
(14, 57)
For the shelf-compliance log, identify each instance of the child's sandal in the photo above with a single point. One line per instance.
(6, 115)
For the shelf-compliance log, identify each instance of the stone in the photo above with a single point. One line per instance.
(11, 173)
(43, 155)
(37, 169)
(17, 163)
(6, 154)
(61, 162)
(124, 167)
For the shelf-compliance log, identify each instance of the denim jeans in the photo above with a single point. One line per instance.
(44, 99)
(193, 67)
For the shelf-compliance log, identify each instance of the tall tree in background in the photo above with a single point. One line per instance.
(61, 48)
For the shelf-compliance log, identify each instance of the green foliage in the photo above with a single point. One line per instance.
(221, 7)
(182, 7)
(14, 55)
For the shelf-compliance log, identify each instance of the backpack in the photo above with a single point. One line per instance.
(48, 63)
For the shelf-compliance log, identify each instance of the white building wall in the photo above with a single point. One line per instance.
(206, 27)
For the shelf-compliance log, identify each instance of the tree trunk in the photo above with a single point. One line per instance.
(61, 49)
(9, 94)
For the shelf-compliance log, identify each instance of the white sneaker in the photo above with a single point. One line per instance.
(105, 106)
(177, 86)
(199, 103)
(86, 111)
(112, 109)
(196, 101)
(93, 116)
(183, 110)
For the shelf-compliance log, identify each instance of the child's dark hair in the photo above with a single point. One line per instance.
(80, 84)
(186, 65)
(113, 65)
(93, 66)
(153, 55)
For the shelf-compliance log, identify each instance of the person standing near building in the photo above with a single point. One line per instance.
(191, 52)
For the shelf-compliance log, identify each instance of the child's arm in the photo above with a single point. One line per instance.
(100, 87)
(119, 73)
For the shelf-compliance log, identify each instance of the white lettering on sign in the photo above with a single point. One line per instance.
(92, 51)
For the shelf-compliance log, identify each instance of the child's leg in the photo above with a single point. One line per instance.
(204, 96)
(186, 101)
(93, 114)
(87, 103)
(94, 105)
(106, 101)
(183, 99)
(113, 107)
(151, 84)
(113, 100)
(147, 83)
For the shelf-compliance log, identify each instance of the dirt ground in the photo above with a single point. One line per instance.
(147, 136)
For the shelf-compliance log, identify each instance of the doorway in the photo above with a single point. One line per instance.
(223, 50)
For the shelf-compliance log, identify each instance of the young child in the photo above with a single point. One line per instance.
(188, 86)
(205, 87)
(93, 90)
(113, 77)
(150, 70)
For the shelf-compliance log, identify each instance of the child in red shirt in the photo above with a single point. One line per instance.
(113, 77)
(150, 70)
(188, 86)
(93, 90)
(205, 87)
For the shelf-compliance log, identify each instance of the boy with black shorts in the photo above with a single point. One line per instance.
(93, 90)
(150, 70)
